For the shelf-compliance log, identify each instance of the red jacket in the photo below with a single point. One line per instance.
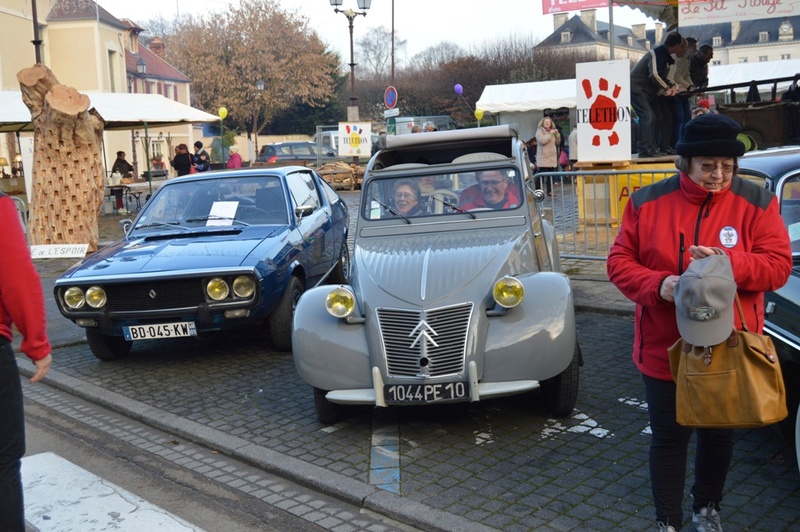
(659, 224)
(21, 298)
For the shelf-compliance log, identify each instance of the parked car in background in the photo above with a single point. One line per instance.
(779, 170)
(209, 252)
(295, 152)
(447, 301)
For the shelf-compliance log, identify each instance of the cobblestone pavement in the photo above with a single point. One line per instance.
(502, 464)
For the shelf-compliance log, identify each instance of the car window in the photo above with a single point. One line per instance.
(442, 194)
(790, 210)
(302, 149)
(303, 190)
(330, 194)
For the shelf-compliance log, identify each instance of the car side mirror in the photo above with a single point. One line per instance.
(303, 210)
(126, 225)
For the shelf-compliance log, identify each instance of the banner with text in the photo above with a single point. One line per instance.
(603, 114)
(355, 139)
(696, 12)
(559, 6)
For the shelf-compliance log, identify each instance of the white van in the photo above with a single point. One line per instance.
(403, 124)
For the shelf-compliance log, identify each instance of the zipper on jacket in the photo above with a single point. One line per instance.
(702, 214)
(641, 335)
(681, 251)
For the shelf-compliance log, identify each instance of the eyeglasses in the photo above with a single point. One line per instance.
(726, 168)
(404, 195)
(489, 183)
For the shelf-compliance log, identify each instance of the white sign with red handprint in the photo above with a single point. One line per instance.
(603, 114)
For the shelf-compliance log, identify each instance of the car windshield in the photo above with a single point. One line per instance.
(790, 210)
(442, 194)
(215, 202)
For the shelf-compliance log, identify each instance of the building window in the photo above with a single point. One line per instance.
(762, 58)
(763, 36)
(742, 60)
(786, 56)
(716, 62)
(566, 37)
(716, 41)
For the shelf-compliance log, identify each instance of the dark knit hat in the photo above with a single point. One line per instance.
(198, 144)
(710, 135)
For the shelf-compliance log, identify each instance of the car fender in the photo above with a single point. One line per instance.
(536, 339)
(328, 352)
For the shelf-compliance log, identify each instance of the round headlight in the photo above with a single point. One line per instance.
(96, 297)
(244, 286)
(73, 297)
(508, 292)
(217, 289)
(340, 302)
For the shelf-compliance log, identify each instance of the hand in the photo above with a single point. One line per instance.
(42, 367)
(667, 290)
(701, 252)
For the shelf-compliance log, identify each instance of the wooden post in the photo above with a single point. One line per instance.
(67, 173)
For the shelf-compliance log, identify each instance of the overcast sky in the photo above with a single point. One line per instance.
(421, 23)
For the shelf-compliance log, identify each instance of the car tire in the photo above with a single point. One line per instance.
(107, 347)
(561, 392)
(327, 412)
(280, 321)
(341, 272)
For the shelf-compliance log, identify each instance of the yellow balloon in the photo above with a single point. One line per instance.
(222, 113)
(479, 114)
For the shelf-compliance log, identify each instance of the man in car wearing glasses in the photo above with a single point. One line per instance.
(496, 192)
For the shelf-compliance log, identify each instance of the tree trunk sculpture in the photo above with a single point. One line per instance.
(67, 173)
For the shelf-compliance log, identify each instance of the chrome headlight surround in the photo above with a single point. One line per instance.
(340, 302)
(244, 286)
(74, 298)
(96, 297)
(217, 289)
(508, 292)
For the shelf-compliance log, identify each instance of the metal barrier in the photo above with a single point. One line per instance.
(22, 210)
(586, 207)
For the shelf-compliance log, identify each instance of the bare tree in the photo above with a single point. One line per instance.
(375, 53)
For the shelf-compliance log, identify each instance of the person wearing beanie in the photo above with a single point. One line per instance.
(703, 210)
(234, 159)
(202, 161)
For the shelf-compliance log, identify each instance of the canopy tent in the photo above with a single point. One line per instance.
(746, 72)
(119, 111)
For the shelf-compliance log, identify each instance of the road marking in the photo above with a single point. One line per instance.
(59, 495)
(586, 426)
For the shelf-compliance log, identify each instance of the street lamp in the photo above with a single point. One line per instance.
(259, 89)
(141, 69)
(352, 110)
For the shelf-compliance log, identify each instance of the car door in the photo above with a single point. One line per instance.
(314, 226)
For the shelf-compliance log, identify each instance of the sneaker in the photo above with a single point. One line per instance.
(665, 528)
(707, 520)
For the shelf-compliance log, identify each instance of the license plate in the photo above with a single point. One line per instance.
(425, 393)
(162, 330)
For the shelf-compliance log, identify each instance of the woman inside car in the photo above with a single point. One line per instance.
(406, 198)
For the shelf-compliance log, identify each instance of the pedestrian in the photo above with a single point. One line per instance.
(183, 161)
(202, 161)
(684, 83)
(234, 159)
(21, 305)
(703, 210)
(547, 142)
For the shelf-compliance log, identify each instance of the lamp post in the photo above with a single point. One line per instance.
(141, 70)
(352, 110)
(257, 94)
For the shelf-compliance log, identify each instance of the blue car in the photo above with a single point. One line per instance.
(211, 252)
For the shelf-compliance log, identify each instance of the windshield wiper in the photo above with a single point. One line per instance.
(453, 206)
(161, 224)
(215, 217)
(391, 211)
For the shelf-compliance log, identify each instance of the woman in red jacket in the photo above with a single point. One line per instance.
(704, 209)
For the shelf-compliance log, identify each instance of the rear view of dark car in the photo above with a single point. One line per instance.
(301, 153)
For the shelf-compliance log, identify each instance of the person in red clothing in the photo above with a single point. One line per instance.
(703, 210)
(21, 304)
(496, 192)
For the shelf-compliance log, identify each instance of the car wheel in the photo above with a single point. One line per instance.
(327, 412)
(341, 272)
(561, 391)
(280, 321)
(107, 347)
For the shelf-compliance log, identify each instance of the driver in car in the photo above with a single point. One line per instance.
(496, 192)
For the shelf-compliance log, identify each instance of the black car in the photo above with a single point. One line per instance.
(300, 152)
(779, 170)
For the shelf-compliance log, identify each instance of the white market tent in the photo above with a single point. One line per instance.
(118, 110)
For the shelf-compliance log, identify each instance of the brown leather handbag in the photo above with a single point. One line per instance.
(736, 384)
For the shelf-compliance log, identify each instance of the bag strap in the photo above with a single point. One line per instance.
(741, 313)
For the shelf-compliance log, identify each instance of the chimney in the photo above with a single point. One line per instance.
(157, 47)
(589, 17)
(658, 39)
(559, 19)
(736, 27)
(638, 31)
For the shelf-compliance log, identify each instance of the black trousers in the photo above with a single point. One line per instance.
(12, 441)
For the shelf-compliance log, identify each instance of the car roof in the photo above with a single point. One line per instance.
(457, 135)
(266, 171)
(773, 162)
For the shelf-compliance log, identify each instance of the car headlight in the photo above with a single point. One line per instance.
(96, 297)
(217, 289)
(340, 302)
(508, 292)
(73, 298)
(244, 286)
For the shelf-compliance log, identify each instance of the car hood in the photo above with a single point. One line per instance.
(422, 268)
(182, 251)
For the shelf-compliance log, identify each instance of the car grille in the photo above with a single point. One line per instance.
(155, 295)
(430, 343)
